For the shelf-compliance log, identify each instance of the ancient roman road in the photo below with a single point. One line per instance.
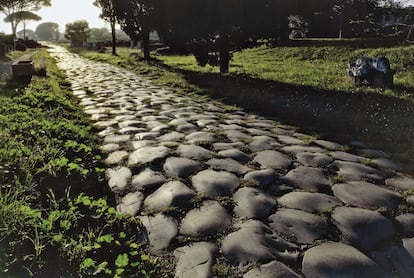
(216, 186)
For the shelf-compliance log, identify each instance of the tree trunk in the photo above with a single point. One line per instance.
(224, 59)
(146, 44)
(113, 38)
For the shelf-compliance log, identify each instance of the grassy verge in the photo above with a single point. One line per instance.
(304, 84)
(55, 220)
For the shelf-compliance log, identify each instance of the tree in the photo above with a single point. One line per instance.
(48, 31)
(77, 32)
(10, 7)
(100, 34)
(22, 17)
(212, 29)
(30, 34)
(108, 14)
(136, 18)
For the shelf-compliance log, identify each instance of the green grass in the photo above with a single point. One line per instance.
(313, 65)
(49, 159)
(303, 83)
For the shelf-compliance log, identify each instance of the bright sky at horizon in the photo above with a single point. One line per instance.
(62, 12)
(65, 11)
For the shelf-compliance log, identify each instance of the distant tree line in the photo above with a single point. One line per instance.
(212, 29)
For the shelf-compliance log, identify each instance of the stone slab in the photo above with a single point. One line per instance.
(367, 195)
(310, 202)
(213, 183)
(338, 260)
(253, 203)
(195, 260)
(208, 220)
(308, 178)
(298, 226)
(362, 228)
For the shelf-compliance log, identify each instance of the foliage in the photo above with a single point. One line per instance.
(48, 31)
(15, 7)
(22, 17)
(77, 32)
(136, 18)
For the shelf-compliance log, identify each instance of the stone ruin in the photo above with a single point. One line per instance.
(374, 72)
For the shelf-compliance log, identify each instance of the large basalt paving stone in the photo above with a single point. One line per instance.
(208, 220)
(131, 203)
(408, 244)
(180, 167)
(109, 148)
(106, 123)
(402, 182)
(253, 203)
(262, 143)
(201, 137)
(298, 226)
(328, 144)
(387, 164)
(212, 183)
(272, 159)
(235, 154)
(395, 261)
(261, 177)
(289, 140)
(220, 146)
(338, 155)
(308, 178)
(407, 223)
(351, 171)
(363, 228)
(132, 123)
(194, 152)
(300, 149)
(171, 137)
(237, 135)
(338, 260)
(255, 242)
(140, 144)
(160, 231)
(147, 155)
(116, 158)
(118, 178)
(116, 139)
(310, 202)
(187, 128)
(151, 135)
(171, 194)
(314, 159)
(147, 179)
(227, 164)
(366, 195)
(273, 269)
(195, 260)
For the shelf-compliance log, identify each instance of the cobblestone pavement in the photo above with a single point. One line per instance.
(218, 185)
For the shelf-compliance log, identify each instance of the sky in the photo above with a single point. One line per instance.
(62, 12)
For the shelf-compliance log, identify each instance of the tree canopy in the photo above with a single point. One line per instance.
(47, 31)
(10, 7)
(77, 32)
(22, 17)
(212, 29)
